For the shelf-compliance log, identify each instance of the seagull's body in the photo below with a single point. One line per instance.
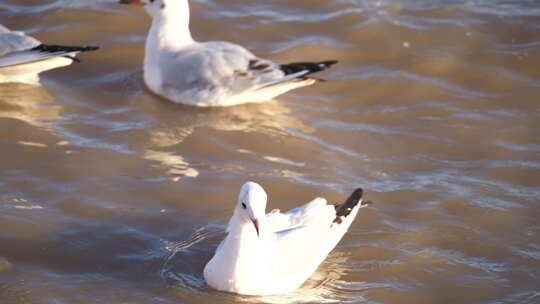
(283, 249)
(22, 57)
(216, 73)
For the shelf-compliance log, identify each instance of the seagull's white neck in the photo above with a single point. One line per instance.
(243, 229)
(170, 27)
(169, 33)
(242, 237)
(245, 256)
(244, 251)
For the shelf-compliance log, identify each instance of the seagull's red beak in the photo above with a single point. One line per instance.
(132, 2)
(256, 223)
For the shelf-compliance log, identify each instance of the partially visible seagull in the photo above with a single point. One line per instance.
(22, 57)
(215, 73)
(273, 253)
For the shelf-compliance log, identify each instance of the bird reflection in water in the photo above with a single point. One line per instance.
(29, 103)
(172, 124)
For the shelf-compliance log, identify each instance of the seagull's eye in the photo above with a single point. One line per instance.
(244, 206)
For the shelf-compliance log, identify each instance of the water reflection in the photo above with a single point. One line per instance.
(172, 124)
(152, 129)
(29, 103)
(174, 165)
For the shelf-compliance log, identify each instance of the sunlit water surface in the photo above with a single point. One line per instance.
(109, 194)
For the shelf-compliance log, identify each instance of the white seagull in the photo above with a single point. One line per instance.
(215, 73)
(22, 57)
(273, 253)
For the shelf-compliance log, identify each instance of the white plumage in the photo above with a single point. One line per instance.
(277, 252)
(210, 73)
(22, 57)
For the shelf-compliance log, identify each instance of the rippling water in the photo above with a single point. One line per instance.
(109, 194)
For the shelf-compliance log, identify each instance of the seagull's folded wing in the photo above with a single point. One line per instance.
(314, 211)
(300, 250)
(301, 238)
(27, 56)
(15, 41)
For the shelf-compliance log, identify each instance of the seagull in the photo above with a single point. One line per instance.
(265, 254)
(215, 73)
(22, 57)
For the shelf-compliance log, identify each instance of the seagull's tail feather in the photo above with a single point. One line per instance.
(306, 67)
(345, 209)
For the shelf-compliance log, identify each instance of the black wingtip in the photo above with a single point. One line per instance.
(343, 210)
(328, 63)
(49, 48)
(89, 48)
(355, 196)
(311, 67)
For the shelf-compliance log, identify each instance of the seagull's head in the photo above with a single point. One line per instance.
(160, 7)
(251, 205)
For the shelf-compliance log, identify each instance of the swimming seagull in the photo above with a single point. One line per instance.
(213, 73)
(273, 253)
(22, 57)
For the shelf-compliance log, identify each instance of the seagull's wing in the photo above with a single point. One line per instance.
(13, 41)
(42, 52)
(18, 48)
(228, 69)
(301, 248)
(250, 73)
(214, 66)
(314, 230)
(299, 238)
(316, 210)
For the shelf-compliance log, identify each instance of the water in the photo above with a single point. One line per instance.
(109, 194)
